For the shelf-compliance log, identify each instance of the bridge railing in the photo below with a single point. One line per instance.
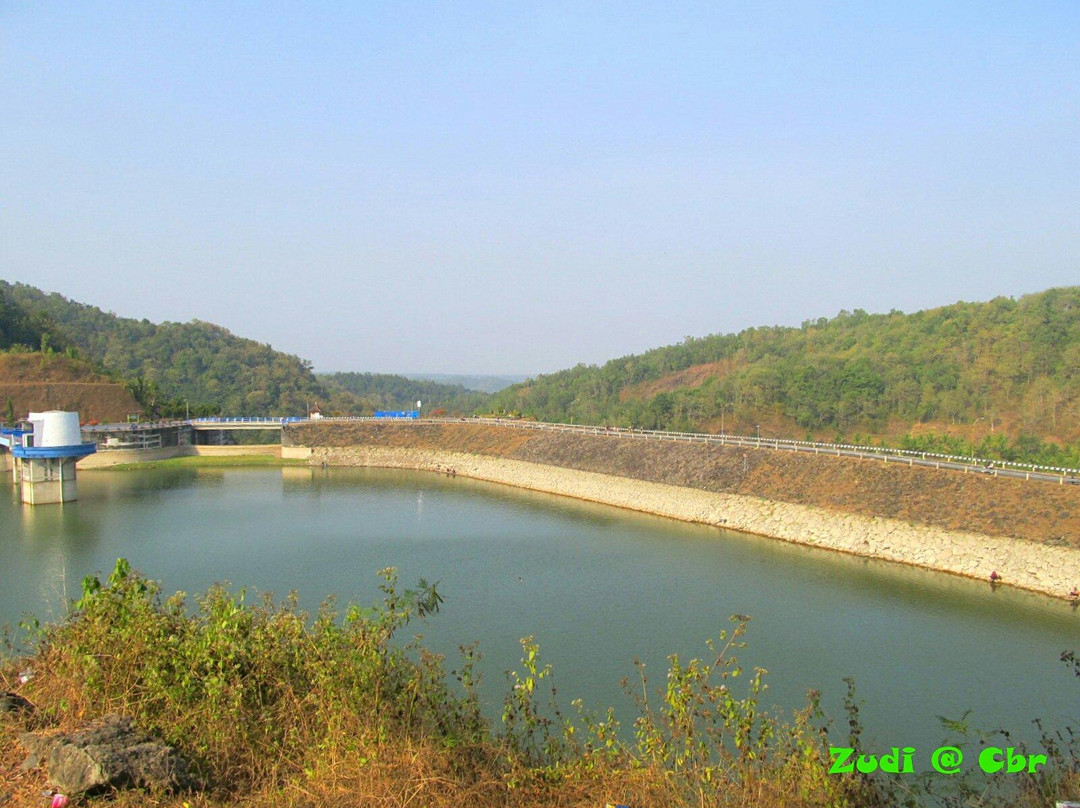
(137, 440)
(246, 419)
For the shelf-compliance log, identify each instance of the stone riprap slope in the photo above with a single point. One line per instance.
(967, 524)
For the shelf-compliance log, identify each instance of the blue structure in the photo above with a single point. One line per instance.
(10, 437)
(46, 455)
(397, 413)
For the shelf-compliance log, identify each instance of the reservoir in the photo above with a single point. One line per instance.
(596, 586)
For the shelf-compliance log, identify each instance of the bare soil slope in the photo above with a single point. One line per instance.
(34, 383)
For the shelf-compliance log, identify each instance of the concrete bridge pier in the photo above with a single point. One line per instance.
(9, 464)
(48, 480)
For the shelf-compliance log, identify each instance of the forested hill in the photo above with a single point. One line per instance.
(386, 391)
(483, 384)
(176, 367)
(22, 331)
(197, 361)
(979, 371)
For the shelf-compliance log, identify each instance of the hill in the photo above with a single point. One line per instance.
(1001, 376)
(197, 361)
(480, 383)
(385, 391)
(202, 368)
(23, 331)
(33, 382)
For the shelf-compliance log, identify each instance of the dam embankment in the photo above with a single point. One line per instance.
(967, 524)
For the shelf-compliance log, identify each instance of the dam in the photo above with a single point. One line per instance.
(1024, 530)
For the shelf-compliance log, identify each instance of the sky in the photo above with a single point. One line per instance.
(479, 187)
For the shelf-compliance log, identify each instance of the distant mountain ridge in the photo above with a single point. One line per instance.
(483, 383)
(386, 391)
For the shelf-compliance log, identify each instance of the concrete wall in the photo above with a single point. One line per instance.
(273, 449)
(116, 457)
(103, 459)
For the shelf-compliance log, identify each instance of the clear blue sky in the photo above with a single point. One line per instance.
(519, 187)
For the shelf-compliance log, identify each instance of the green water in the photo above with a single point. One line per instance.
(597, 586)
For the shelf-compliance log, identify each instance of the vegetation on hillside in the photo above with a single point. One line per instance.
(275, 707)
(482, 383)
(23, 331)
(200, 368)
(998, 379)
(197, 361)
(384, 391)
(1005, 374)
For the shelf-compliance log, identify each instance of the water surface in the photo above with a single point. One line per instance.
(596, 585)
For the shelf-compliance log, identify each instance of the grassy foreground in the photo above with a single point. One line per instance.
(274, 706)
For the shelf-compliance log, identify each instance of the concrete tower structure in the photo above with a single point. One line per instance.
(47, 455)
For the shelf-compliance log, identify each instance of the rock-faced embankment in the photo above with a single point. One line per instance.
(967, 524)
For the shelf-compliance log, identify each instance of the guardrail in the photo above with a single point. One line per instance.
(966, 464)
(246, 419)
(135, 441)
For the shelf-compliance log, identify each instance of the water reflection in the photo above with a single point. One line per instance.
(117, 485)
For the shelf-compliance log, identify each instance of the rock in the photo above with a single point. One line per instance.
(14, 703)
(109, 753)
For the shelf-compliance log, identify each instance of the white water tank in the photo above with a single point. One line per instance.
(56, 428)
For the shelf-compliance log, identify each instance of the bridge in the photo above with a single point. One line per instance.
(174, 436)
(241, 423)
(11, 437)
